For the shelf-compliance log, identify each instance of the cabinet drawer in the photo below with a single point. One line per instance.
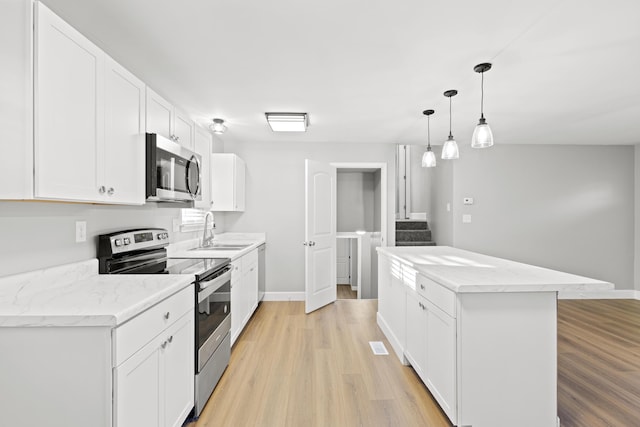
(135, 333)
(437, 294)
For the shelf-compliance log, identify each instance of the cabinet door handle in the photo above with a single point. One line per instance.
(163, 345)
(101, 189)
(170, 338)
(422, 286)
(166, 315)
(111, 191)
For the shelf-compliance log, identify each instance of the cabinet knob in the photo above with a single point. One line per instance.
(166, 315)
(111, 191)
(101, 189)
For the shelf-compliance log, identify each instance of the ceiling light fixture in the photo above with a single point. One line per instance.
(429, 157)
(218, 126)
(287, 122)
(450, 147)
(482, 135)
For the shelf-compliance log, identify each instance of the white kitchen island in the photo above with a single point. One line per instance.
(480, 331)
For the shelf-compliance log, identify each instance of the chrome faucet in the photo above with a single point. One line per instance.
(207, 241)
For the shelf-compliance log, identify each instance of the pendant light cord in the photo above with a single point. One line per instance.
(450, 136)
(428, 132)
(482, 95)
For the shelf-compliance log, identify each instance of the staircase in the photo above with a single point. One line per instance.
(413, 233)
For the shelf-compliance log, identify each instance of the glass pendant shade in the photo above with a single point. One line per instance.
(429, 159)
(450, 149)
(482, 135)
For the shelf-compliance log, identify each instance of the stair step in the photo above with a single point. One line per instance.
(423, 243)
(412, 225)
(413, 235)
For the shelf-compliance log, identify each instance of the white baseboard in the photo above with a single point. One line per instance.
(395, 343)
(613, 294)
(283, 296)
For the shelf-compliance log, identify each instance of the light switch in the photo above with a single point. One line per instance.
(467, 200)
(466, 219)
(448, 207)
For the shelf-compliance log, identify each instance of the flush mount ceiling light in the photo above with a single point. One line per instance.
(218, 126)
(482, 135)
(429, 157)
(287, 122)
(450, 147)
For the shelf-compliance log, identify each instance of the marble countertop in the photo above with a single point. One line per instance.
(76, 295)
(469, 272)
(185, 249)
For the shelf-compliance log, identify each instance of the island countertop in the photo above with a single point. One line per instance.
(468, 272)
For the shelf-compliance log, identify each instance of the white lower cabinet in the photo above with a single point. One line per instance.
(439, 369)
(244, 292)
(416, 339)
(155, 386)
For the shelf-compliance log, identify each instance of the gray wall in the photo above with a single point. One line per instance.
(355, 201)
(275, 198)
(569, 208)
(441, 184)
(36, 235)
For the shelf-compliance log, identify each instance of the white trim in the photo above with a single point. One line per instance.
(284, 296)
(393, 340)
(382, 166)
(613, 294)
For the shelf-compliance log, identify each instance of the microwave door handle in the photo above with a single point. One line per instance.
(193, 160)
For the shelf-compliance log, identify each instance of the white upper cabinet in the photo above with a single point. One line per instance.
(16, 105)
(166, 120)
(69, 94)
(203, 143)
(159, 115)
(88, 142)
(227, 182)
(183, 129)
(124, 135)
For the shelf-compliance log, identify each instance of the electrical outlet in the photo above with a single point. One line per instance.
(466, 219)
(81, 231)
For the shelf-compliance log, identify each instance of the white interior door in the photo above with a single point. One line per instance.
(320, 234)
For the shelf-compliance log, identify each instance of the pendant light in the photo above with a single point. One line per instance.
(482, 135)
(429, 157)
(450, 147)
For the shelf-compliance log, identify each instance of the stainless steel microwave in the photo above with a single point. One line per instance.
(172, 171)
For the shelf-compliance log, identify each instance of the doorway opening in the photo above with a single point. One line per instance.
(361, 212)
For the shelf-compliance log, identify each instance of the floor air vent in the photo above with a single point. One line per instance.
(378, 348)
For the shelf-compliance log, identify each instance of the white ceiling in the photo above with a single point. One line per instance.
(564, 71)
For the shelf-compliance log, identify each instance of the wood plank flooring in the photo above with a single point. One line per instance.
(345, 292)
(599, 363)
(292, 369)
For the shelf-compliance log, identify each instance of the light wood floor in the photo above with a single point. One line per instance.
(345, 292)
(292, 369)
(599, 363)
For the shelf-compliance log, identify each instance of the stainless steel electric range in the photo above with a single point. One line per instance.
(143, 251)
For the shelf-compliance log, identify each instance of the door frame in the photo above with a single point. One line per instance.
(368, 166)
(383, 189)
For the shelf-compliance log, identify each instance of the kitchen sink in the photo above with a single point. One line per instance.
(222, 247)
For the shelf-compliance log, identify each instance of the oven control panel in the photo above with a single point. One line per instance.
(131, 240)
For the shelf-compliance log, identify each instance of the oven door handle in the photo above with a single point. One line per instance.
(208, 287)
